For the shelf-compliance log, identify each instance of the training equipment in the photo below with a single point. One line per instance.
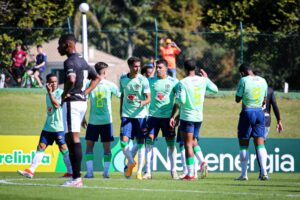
(27, 173)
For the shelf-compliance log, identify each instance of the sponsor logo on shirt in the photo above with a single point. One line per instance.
(160, 96)
(131, 97)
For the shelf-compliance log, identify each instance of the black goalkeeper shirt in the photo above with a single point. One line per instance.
(76, 65)
(271, 101)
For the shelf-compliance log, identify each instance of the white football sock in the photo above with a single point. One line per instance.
(172, 157)
(149, 150)
(262, 156)
(183, 161)
(244, 157)
(36, 160)
(141, 157)
(199, 155)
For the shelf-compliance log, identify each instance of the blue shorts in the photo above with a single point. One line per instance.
(155, 124)
(133, 127)
(179, 138)
(251, 123)
(105, 131)
(190, 127)
(49, 137)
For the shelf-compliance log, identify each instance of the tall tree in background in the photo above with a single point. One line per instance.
(30, 22)
(269, 53)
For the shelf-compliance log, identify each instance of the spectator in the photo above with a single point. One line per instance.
(40, 65)
(19, 63)
(169, 53)
(147, 70)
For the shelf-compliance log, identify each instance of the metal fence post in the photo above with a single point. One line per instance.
(156, 38)
(242, 43)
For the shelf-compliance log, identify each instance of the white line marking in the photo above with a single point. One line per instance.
(7, 182)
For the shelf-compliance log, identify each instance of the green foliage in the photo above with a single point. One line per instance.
(25, 16)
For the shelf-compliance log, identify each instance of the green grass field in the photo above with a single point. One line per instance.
(215, 186)
(23, 113)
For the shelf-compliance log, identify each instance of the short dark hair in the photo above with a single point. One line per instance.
(189, 65)
(68, 37)
(162, 61)
(50, 76)
(132, 60)
(39, 46)
(245, 67)
(99, 66)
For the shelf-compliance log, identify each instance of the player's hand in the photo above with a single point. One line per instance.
(83, 123)
(49, 87)
(65, 95)
(172, 122)
(203, 73)
(279, 127)
(142, 103)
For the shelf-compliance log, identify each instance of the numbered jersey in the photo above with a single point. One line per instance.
(100, 100)
(134, 91)
(252, 90)
(54, 121)
(76, 65)
(162, 96)
(191, 97)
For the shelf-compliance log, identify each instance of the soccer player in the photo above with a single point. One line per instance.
(53, 129)
(77, 72)
(100, 120)
(191, 98)
(163, 89)
(135, 95)
(252, 91)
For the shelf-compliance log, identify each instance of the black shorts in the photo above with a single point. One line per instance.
(18, 72)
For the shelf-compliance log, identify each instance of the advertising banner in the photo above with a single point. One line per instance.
(221, 154)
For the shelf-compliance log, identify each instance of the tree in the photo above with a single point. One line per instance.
(30, 22)
(268, 53)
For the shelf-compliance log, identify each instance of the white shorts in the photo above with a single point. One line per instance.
(73, 113)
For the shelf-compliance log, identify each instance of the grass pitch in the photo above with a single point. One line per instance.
(215, 186)
(23, 112)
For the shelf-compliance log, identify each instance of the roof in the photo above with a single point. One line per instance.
(117, 66)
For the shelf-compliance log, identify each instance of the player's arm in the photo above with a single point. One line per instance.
(121, 103)
(147, 100)
(83, 123)
(55, 102)
(273, 103)
(174, 116)
(239, 91)
(146, 93)
(210, 85)
(95, 80)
